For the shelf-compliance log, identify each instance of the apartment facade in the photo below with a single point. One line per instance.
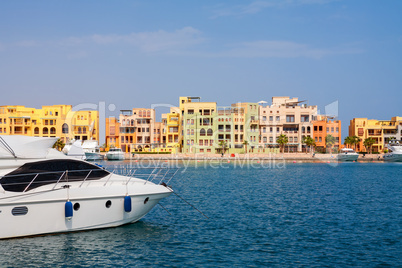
(50, 121)
(198, 125)
(323, 126)
(137, 129)
(112, 132)
(380, 130)
(287, 116)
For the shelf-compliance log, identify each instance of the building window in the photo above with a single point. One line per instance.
(45, 131)
(202, 132)
(271, 118)
(210, 132)
(278, 118)
(64, 129)
(271, 139)
(290, 118)
(304, 118)
(264, 118)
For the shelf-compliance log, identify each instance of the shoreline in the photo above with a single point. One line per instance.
(287, 157)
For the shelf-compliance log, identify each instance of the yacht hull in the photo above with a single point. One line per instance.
(348, 157)
(393, 157)
(45, 212)
(117, 157)
(93, 156)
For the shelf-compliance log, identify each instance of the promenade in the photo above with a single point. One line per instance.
(303, 157)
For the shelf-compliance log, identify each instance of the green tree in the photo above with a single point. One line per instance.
(329, 142)
(245, 143)
(59, 145)
(368, 143)
(282, 140)
(356, 141)
(223, 145)
(309, 141)
(348, 141)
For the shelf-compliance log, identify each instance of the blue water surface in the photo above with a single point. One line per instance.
(297, 214)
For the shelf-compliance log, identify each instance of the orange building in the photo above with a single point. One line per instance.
(323, 126)
(112, 133)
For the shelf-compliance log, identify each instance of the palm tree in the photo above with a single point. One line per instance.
(330, 141)
(368, 143)
(356, 141)
(59, 145)
(245, 143)
(223, 145)
(309, 141)
(348, 141)
(282, 140)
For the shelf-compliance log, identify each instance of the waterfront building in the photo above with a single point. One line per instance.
(287, 116)
(198, 126)
(380, 130)
(137, 129)
(323, 126)
(112, 133)
(50, 121)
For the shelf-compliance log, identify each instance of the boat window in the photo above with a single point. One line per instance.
(48, 172)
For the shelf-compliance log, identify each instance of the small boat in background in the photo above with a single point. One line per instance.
(91, 150)
(115, 154)
(394, 152)
(347, 154)
(74, 149)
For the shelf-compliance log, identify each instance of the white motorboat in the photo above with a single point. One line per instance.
(347, 154)
(115, 154)
(43, 191)
(91, 150)
(74, 149)
(394, 152)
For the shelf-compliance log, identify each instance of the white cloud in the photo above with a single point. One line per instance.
(258, 6)
(144, 41)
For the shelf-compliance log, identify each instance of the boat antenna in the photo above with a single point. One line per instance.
(8, 148)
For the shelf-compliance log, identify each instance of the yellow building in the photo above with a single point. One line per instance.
(173, 130)
(50, 121)
(380, 130)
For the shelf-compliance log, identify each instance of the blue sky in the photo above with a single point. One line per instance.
(138, 53)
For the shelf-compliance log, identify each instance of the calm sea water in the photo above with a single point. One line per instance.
(306, 214)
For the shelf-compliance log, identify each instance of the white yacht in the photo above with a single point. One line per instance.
(394, 152)
(347, 154)
(115, 154)
(74, 149)
(43, 191)
(91, 150)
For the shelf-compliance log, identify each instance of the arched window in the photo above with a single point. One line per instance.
(64, 129)
(209, 132)
(84, 130)
(140, 113)
(303, 129)
(308, 129)
(53, 130)
(36, 131)
(124, 122)
(149, 114)
(79, 130)
(132, 122)
(45, 130)
(202, 132)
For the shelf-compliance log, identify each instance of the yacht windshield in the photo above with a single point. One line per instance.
(48, 172)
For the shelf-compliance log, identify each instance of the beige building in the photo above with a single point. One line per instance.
(137, 129)
(287, 116)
